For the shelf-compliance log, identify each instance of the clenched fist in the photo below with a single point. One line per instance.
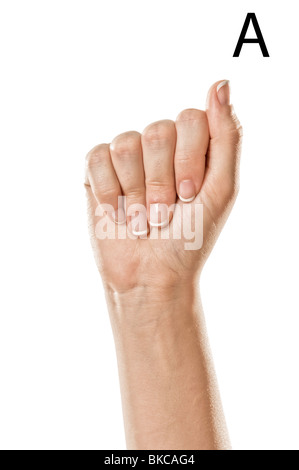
(191, 161)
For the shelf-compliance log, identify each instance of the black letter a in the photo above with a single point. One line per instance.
(259, 39)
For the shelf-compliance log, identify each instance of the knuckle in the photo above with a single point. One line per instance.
(97, 155)
(159, 191)
(126, 144)
(239, 131)
(188, 156)
(108, 193)
(192, 115)
(135, 200)
(159, 134)
(232, 135)
(236, 127)
(236, 137)
(136, 194)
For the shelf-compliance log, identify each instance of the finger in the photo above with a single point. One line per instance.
(101, 177)
(126, 153)
(190, 153)
(225, 145)
(158, 145)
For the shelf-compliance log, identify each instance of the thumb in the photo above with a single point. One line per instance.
(222, 169)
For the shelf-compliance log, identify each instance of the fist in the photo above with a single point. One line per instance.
(141, 184)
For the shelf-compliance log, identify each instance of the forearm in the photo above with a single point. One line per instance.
(168, 386)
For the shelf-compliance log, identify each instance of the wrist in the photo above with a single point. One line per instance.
(146, 309)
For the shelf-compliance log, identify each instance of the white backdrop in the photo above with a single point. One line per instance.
(77, 73)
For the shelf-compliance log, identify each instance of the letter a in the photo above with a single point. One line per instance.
(259, 39)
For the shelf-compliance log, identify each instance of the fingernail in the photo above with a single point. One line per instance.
(223, 91)
(119, 216)
(139, 225)
(186, 191)
(159, 215)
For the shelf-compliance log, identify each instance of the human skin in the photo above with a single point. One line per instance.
(169, 390)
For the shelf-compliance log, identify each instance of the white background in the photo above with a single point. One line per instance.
(77, 73)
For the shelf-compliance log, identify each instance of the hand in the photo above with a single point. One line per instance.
(168, 385)
(194, 160)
